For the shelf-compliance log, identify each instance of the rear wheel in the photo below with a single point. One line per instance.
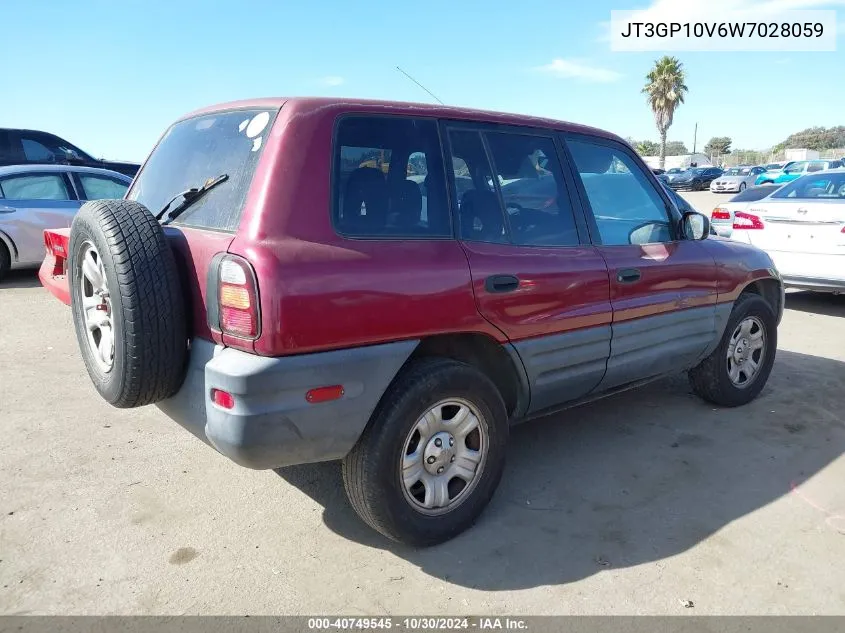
(737, 370)
(5, 261)
(127, 303)
(432, 455)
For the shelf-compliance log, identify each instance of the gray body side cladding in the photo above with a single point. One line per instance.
(271, 424)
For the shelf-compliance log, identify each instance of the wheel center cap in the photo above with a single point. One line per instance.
(439, 452)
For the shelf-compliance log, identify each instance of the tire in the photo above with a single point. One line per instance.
(372, 470)
(143, 311)
(5, 261)
(741, 187)
(711, 380)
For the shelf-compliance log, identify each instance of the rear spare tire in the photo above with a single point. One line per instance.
(127, 302)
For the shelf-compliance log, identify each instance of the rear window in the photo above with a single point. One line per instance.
(195, 150)
(754, 193)
(389, 179)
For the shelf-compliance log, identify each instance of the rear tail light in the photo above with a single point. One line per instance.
(237, 298)
(720, 214)
(747, 222)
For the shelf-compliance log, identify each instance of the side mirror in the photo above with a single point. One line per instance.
(695, 226)
(72, 157)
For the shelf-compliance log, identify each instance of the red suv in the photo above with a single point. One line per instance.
(394, 285)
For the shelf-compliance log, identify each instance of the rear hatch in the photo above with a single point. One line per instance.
(192, 152)
(802, 227)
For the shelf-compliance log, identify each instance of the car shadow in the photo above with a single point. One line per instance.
(635, 478)
(816, 303)
(20, 279)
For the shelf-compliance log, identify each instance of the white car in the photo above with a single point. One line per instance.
(722, 217)
(802, 227)
(736, 179)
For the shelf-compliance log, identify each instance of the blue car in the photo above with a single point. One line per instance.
(795, 169)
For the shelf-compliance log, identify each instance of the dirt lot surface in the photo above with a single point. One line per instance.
(630, 505)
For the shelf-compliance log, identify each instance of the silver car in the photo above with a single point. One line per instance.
(38, 197)
(736, 179)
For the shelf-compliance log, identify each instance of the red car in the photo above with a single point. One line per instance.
(301, 280)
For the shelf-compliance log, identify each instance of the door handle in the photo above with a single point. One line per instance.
(628, 275)
(501, 283)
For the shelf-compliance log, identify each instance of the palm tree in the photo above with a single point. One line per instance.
(665, 90)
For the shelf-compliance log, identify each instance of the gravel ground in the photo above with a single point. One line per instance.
(631, 505)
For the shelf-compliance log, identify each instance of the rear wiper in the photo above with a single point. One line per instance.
(189, 196)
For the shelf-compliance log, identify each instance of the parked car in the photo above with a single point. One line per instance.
(736, 179)
(307, 309)
(778, 166)
(31, 147)
(694, 179)
(802, 227)
(38, 197)
(722, 217)
(796, 169)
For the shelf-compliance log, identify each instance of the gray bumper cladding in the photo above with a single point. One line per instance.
(272, 424)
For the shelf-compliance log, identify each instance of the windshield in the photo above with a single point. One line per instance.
(697, 171)
(194, 150)
(827, 186)
(674, 170)
(737, 171)
(771, 166)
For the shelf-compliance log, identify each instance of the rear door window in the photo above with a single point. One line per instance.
(388, 179)
(533, 191)
(202, 148)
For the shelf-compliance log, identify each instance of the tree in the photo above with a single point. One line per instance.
(817, 138)
(665, 90)
(676, 148)
(718, 146)
(647, 148)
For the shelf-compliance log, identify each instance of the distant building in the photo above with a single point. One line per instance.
(683, 161)
(801, 154)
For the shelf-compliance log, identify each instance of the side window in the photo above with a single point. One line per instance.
(533, 190)
(34, 187)
(101, 188)
(796, 168)
(389, 179)
(479, 210)
(815, 166)
(36, 152)
(626, 206)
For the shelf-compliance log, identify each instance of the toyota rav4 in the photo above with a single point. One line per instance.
(395, 285)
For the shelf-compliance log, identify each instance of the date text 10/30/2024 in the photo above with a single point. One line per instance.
(418, 623)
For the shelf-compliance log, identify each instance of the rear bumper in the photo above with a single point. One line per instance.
(271, 423)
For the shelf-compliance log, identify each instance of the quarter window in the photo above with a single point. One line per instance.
(101, 188)
(36, 152)
(389, 179)
(34, 187)
(626, 206)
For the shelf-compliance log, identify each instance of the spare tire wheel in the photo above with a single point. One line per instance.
(127, 303)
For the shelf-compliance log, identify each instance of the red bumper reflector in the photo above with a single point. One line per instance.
(324, 394)
(222, 398)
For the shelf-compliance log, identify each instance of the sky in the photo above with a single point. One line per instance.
(111, 76)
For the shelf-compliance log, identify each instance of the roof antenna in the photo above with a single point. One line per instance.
(420, 85)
